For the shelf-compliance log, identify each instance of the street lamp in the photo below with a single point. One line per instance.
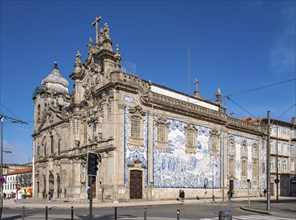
(205, 186)
(2, 180)
(4, 151)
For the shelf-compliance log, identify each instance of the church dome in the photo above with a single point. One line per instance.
(54, 81)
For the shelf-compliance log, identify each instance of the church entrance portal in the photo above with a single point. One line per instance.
(135, 184)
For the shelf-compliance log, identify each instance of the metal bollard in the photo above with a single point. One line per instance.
(23, 213)
(115, 213)
(46, 213)
(145, 214)
(225, 215)
(178, 214)
(72, 213)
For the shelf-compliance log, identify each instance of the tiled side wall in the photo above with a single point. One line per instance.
(174, 168)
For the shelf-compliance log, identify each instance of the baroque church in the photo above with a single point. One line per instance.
(152, 140)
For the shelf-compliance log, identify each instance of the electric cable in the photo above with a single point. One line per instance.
(10, 111)
(262, 87)
(240, 106)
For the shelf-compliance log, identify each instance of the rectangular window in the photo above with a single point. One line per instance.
(255, 169)
(135, 127)
(244, 168)
(190, 138)
(232, 167)
(263, 167)
(161, 133)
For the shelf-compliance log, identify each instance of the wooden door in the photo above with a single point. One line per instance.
(136, 184)
(230, 185)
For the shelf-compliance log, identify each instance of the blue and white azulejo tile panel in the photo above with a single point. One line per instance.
(174, 168)
(131, 153)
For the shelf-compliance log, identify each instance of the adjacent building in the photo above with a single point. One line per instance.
(153, 140)
(282, 156)
(17, 179)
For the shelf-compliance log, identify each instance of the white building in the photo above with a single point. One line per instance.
(17, 179)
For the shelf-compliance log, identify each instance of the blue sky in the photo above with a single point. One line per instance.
(237, 45)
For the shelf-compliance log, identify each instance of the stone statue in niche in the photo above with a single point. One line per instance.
(106, 31)
(78, 58)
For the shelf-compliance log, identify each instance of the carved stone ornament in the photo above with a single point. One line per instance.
(137, 163)
(137, 111)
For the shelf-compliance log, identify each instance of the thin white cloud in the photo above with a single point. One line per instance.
(19, 153)
(283, 52)
(252, 6)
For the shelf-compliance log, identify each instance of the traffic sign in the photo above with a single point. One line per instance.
(2, 180)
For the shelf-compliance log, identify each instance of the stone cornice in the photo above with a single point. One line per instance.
(133, 84)
(245, 126)
(181, 107)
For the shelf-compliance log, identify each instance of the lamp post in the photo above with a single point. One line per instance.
(2, 178)
(213, 182)
(249, 185)
(1, 170)
(205, 186)
(4, 151)
(268, 162)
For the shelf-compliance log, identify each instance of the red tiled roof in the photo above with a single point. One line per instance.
(253, 120)
(19, 171)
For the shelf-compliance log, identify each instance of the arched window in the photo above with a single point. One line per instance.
(38, 150)
(38, 114)
(59, 147)
(44, 185)
(51, 144)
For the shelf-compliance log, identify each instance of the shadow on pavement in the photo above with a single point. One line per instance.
(106, 217)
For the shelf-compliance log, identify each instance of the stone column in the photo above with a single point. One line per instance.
(150, 154)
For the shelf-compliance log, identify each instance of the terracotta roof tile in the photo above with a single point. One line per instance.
(19, 171)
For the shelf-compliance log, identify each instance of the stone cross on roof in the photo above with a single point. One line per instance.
(96, 23)
(196, 92)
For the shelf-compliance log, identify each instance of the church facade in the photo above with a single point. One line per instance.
(153, 140)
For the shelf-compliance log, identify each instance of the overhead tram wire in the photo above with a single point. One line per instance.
(10, 112)
(286, 111)
(240, 106)
(262, 87)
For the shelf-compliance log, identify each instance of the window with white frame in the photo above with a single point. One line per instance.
(272, 163)
(292, 165)
(285, 165)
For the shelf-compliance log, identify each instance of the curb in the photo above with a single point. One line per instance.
(255, 210)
